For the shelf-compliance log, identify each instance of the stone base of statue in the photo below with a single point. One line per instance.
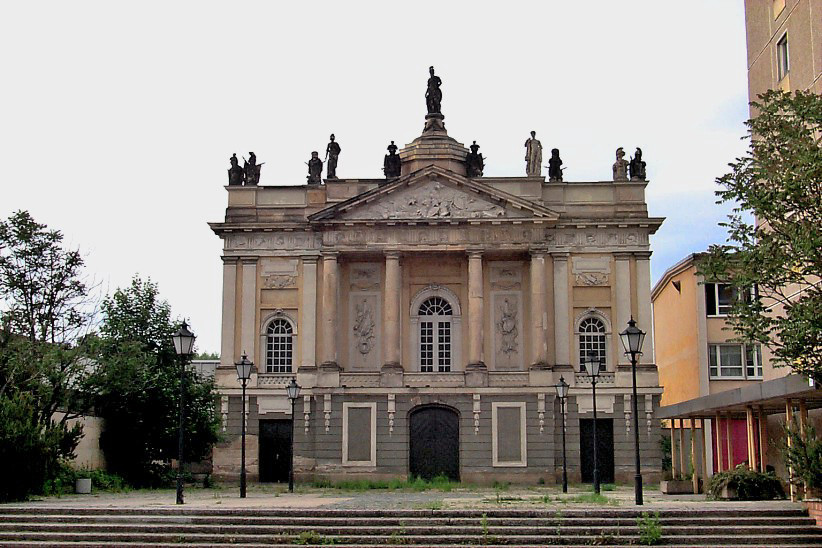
(434, 147)
(434, 123)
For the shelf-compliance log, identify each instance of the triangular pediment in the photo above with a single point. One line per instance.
(434, 194)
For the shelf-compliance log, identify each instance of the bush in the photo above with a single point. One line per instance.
(650, 531)
(748, 484)
(804, 454)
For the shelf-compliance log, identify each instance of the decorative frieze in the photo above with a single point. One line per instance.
(506, 275)
(591, 271)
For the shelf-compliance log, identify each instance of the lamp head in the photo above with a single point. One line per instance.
(592, 364)
(562, 388)
(244, 368)
(293, 390)
(183, 341)
(632, 338)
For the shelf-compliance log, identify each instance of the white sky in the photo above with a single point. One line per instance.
(117, 119)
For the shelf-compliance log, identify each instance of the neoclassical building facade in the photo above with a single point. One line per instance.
(427, 318)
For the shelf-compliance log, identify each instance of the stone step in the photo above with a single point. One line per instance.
(552, 520)
(474, 529)
(402, 540)
(587, 543)
(731, 511)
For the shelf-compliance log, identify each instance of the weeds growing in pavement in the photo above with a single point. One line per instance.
(650, 530)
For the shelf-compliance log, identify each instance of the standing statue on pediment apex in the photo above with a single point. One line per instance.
(474, 162)
(533, 156)
(620, 166)
(637, 166)
(392, 164)
(315, 169)
(433, 94)
(235, 172)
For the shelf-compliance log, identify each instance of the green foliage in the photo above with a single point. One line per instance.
(591, 498)
(207, 356)
(439, 483)
(804, 455)
(650, 530)
(312, 537)
(608, 487)
(779, 182)
(748, 484)
(30, 452)
(137, 389)
(665, 447)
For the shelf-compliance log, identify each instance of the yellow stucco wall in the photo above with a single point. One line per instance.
(677, 339)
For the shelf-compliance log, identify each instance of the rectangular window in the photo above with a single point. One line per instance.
(427, 346)
(725, 361)
(719, 299)
(782, 58)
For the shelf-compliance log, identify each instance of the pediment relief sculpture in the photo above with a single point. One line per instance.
(431, 200)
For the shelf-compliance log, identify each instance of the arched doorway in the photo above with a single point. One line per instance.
(435, 442)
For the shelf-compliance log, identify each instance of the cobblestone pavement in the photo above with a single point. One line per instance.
(276, 497)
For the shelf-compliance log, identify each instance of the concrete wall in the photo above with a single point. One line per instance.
(89, 454)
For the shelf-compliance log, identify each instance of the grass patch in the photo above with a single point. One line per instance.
(591, 498)
(607, 487)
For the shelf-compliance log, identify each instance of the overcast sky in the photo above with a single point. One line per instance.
(117, 119)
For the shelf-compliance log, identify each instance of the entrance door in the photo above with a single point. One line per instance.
(435, 443)
(605, 449)
(275, 450)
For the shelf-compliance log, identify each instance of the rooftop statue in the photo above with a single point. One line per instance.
(620, 166)
(474, 161)
(332, 152)
(533, 156)
(251, 170)
(637, 166)
(554, 169)
(315, 169)
(391, 164)
(235, 172)
(433, 95)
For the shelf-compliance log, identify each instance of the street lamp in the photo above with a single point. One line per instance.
(293, 390)
(244, 368)
(593, 364)
(184, 346)
(562, 393)
(632, 339)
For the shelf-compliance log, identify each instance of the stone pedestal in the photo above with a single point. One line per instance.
(434, 146)
(391, 376)
(476, 375)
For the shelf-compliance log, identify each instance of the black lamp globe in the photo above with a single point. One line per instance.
(244, 368)
(293, 390)
(632, 338)
(562, 388)
(592, 364)
(183, 341)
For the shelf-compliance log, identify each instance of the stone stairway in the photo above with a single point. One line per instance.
(165, 527)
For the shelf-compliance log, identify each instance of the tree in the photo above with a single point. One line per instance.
(137, 387)
(779, 254)
(44, 311)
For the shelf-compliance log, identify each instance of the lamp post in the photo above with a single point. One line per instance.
(244, 368)
(632, 339)
(184, 346)
(562, 393)
(593, 364)
(293, 390)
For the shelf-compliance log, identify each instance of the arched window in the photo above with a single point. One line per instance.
(591, 340)
(435, 335)
(279, 346)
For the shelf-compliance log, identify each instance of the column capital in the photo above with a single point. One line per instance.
(229, 260)
(642, 254)
(392, 254)
(474, 253)
(560, 255)
(248, 260)
(310, 259)
(537, 252)
(330, 254)
(622, 255)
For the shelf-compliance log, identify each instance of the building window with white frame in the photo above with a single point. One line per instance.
(782, 58)
(592, 340)
(719, 299)
(279, 346)
(735, 361)
(435, 335)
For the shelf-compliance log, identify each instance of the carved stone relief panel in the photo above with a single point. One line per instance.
(506, 275)
(364, 338)
(591, 271)
(431, 200)
(279, 273)
(274, 240)
(364, 276)
(506, 315)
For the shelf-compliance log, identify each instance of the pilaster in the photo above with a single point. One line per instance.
(248, 310)
(562, 316)
(227, 354)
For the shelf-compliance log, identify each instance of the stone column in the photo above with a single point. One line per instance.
(539, 346)
(622, 288)
(227, 355)
(475, 310)
(391, 311)
(329, 311)
(248, 327)
(643, 302)
(562, 320)
(308, 313)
